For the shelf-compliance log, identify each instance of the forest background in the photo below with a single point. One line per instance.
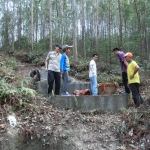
(35, 26)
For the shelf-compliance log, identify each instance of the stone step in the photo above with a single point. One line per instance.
(111, 103)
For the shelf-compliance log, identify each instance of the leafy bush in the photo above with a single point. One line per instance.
(13, 63)
(12, 95)
(22, 44)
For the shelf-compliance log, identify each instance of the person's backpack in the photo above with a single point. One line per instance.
(35, 74)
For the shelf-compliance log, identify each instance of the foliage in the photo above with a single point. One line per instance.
(6, 89)
(22, 44)
(12, 63)
(42, 45)
(31, 57)
(12, 95)
(98, 27)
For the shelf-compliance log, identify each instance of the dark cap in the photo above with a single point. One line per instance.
(58, 45)
(64, 47)
(115, 49)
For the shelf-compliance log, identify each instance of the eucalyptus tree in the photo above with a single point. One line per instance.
(5, 24)
(74, 30)
(50, 25)
(83, 28)
(32, 35)
(13, 24)
(120, 22)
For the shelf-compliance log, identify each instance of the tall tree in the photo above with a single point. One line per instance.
(32, 35)
(50, 25)
(74, 30)
(96, 24)
(13, 25)
(19, 23)
(139, 29)
(83, 28)
(120, 24)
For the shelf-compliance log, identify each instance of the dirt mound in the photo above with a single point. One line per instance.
(134, 130)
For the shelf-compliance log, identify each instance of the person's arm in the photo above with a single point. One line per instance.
(135, 71)
(46, 65)
(47, 62)
(121, 56)
(125, 63)
(91, 68)
(61, 64)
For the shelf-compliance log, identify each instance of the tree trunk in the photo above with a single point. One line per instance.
(96, 25)
(120, 22)
(6, 27)
(50, 25)
(83, 29)
(146, 33)
(109, 32)
(140, 30)
(19, 24)
(62, 27)
(31, 25)
(13, 26)
(74, 30)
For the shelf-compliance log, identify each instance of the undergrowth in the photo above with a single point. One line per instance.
(13, 92)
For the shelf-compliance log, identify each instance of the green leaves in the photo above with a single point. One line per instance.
(9, 92)
(6, 90)
(30, 93)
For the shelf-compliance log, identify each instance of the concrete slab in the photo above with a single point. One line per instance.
(42, 87)
(104, 102)
(43, 73)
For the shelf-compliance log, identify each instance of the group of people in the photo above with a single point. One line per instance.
(57, 65)
(130, 75)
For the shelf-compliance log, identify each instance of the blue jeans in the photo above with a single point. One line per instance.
(93, 81)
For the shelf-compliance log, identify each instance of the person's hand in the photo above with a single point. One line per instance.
(93, 72)
(131, 76)
(61, 72)
(46, 69)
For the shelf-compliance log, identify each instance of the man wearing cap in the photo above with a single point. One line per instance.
(52, 65)
(133, 79)
(65, 68)
(123, 64)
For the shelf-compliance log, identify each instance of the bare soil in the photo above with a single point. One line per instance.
(43, 126)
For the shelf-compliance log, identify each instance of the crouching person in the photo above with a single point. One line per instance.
(35, 76)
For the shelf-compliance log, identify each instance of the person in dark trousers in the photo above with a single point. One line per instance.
(133, 79)
(52, 65)
(123, 64)
(65, 68)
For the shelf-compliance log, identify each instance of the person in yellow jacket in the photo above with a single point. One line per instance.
(133, 79)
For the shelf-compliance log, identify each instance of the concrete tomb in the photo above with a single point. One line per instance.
(104, 102)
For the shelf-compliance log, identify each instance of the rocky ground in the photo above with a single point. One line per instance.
(42, 126)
